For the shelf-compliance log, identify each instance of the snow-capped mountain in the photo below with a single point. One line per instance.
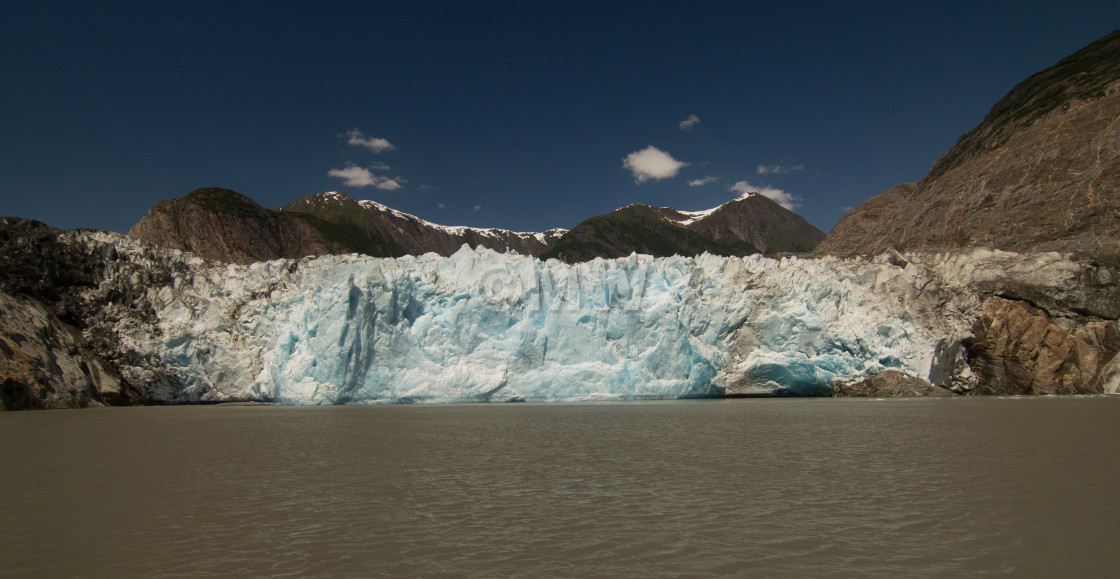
(749, 224)
(226, 226)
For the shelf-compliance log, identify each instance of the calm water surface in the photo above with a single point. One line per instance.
(915, 488)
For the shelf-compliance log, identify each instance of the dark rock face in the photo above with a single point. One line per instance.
(226, 226)
(890, 383)
(753, 224)
(39, 266)
(51, 354)
(1018, 349)
(66, 304)
(1041, 173)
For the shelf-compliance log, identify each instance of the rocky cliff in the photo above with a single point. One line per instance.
(750, 224)
(1040, 173)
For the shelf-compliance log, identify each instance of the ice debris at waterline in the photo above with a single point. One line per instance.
(483, 326)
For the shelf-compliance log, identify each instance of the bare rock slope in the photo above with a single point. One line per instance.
(1040, 173)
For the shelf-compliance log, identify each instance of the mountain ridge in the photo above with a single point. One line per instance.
(227, 226)
(751, 223)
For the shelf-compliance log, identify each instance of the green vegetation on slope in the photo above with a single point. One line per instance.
(1083, 75)
(638, 228)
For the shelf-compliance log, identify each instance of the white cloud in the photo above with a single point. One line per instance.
(375, 144)
(387, 184)
(690, 123)
(355, 176)
(779, 169)
(702, 182)
(780, 197)
(440, 205)
(652, 163)
(477, 207)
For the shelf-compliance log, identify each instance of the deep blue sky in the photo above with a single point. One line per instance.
(512, 115)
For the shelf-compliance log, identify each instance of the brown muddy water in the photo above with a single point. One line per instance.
(754, 487)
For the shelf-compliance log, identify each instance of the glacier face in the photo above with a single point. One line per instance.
(483, 326)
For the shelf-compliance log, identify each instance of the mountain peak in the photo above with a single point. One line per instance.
(748, 224)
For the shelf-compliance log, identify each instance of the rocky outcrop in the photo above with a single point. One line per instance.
(1040, 173)
(1018, 348)
(227, 226)
(46, 363)
(748, 225)
(891, 383)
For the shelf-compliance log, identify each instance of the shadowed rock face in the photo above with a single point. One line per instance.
(1041, 173)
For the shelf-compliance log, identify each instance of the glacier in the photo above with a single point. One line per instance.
(484, 326)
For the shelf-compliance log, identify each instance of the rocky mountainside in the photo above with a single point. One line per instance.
(750, 224)
(1040, 173)
(226, 226)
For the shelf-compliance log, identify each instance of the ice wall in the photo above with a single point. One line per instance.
(486, 326)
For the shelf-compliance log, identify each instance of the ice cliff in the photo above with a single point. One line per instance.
(486, 326)
(150, 325)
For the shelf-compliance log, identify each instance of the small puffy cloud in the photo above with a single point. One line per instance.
(780, 197)
(652, 163)
(387, 184)
(477, 207)
(702, 182)
(690, 123)
(778, 169)
(440, 205)
(355, 176)
(375, 144)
